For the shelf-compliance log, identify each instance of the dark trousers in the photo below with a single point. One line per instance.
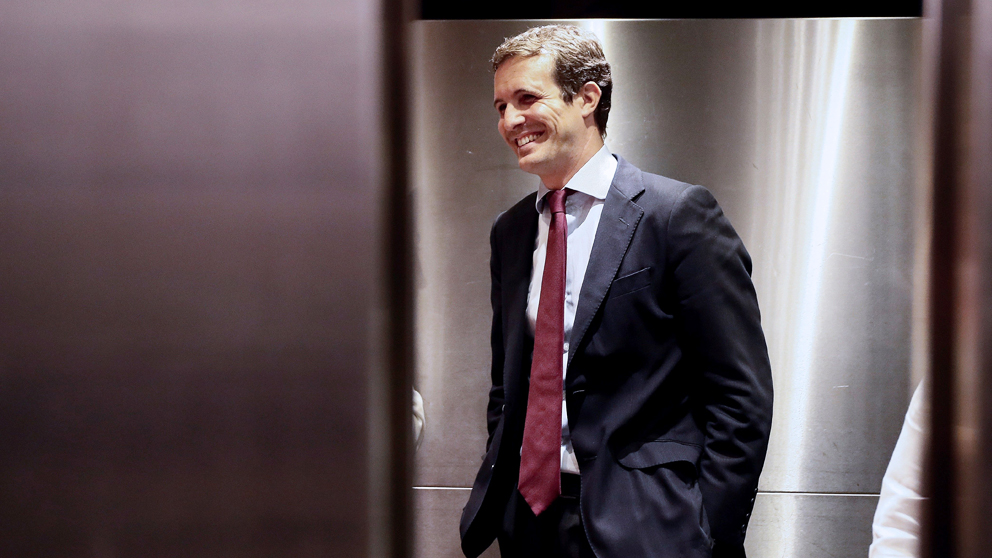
(556, 533)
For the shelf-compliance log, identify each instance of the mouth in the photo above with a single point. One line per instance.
(525, 139)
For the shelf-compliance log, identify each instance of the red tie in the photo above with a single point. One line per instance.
(540, 457)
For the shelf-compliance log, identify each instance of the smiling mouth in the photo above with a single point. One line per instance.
(524, 140)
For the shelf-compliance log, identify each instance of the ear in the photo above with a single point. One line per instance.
(589, 96)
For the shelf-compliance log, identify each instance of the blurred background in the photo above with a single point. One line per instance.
(191, 204)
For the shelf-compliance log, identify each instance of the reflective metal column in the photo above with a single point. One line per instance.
(190, 201)
(959, 462)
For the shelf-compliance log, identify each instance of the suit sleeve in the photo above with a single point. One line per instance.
(722, 341)
(495, 408)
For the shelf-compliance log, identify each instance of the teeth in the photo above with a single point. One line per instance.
(527, 139)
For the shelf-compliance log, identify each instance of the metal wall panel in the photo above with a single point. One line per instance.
(184, 336)
(436, 512)
(810, 525)
(807, 133)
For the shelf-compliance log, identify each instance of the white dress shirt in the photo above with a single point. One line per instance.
(583, 208)
(896, 527)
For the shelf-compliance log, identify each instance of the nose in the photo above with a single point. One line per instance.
(512, 117)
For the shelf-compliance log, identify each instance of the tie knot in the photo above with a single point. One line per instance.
(556, 200)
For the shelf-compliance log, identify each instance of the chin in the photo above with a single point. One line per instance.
(528, 168)
(528, 164)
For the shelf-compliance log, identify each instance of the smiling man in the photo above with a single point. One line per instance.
(631, 390)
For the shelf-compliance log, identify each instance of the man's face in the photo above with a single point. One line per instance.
(546, 133)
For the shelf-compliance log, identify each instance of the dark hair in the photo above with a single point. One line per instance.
(577, 56)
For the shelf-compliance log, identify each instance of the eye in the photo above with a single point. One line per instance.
(527, 99)
(501, 108)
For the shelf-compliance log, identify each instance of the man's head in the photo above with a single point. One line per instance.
(552, 106)
(576, 55)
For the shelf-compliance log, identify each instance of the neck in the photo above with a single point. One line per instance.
(558, 180)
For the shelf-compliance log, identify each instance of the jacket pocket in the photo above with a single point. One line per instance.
(659, 452)
(631, 282)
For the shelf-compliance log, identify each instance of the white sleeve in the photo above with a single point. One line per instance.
(419, 419)
(896, 527)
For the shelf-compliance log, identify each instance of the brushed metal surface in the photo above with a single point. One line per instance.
(959, 460)
(436, 513)
(806, 132)
(810, 526)
(184, 336)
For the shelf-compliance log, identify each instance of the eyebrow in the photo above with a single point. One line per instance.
(498, 100)
(519, 90)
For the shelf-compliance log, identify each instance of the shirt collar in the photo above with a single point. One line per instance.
(593, 179)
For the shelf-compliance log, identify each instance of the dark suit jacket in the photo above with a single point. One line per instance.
(668, 387)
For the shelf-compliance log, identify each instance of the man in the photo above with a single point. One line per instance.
(631, 399)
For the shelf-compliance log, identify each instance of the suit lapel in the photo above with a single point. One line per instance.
(519, 259)
(616, 228)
